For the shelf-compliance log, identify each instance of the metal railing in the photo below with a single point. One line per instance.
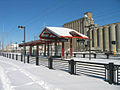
(107, 71)
(91, 69)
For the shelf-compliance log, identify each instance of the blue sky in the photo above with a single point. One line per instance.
(35, 14)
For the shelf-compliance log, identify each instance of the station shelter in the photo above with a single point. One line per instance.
(54, 35)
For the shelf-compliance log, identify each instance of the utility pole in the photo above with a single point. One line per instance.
(3, 39)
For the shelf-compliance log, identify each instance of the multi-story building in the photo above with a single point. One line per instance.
(101, 37)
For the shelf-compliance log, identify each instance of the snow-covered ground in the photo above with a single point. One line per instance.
(15, 75)
(112, 60)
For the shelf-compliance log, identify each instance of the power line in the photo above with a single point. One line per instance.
(44, 11)
(103, 11)
(107, 14)
(48, 13)
(106, 20)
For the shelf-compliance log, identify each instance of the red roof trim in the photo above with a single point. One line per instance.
(72, 37)
(44, 31)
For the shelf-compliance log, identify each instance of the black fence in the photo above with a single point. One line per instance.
(108, 72)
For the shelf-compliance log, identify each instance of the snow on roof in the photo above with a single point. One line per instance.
(65, 32)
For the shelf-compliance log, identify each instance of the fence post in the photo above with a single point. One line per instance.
(66, 55)
(12, 56)
(72, 66)
(107, 56)
(16, 57)
(111, 73)
(50, 63)
(74, 54)
(27, 58)
(21, 58)
(83, 55)
(94, 55)
(7, 55)
(37, 60)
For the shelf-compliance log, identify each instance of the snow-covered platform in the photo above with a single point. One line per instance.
(15, 75)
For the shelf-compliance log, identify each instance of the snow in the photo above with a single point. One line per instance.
(15, 75)
(99, 59)
(60, 31)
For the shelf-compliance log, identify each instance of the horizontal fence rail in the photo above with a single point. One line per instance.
(91, 69)
(117, 74)
(61, 64)
(43, 61)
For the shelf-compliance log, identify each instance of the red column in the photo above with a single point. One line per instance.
(56, 48)
(71, 47)
(44, 49)
(63, 50)
(30, 50)
(37, 50)
(48, 49)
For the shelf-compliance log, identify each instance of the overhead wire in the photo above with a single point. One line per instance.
(45, 12)
(48, 13)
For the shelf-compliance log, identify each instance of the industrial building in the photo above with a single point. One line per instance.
(102, 38)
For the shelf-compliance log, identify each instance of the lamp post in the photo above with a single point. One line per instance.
(90, 27)
(16, 47)
(20, 27)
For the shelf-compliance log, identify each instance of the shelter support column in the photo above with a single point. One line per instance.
(30, 50)
(63, 50)
(48, 49)
(70, 47)
(37, 50)
(44, 49)
(56, 48)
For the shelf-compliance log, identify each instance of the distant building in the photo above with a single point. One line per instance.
(12, 48)
(101, 37)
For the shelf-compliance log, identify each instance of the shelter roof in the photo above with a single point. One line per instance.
(60, 32)
(36, 42)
